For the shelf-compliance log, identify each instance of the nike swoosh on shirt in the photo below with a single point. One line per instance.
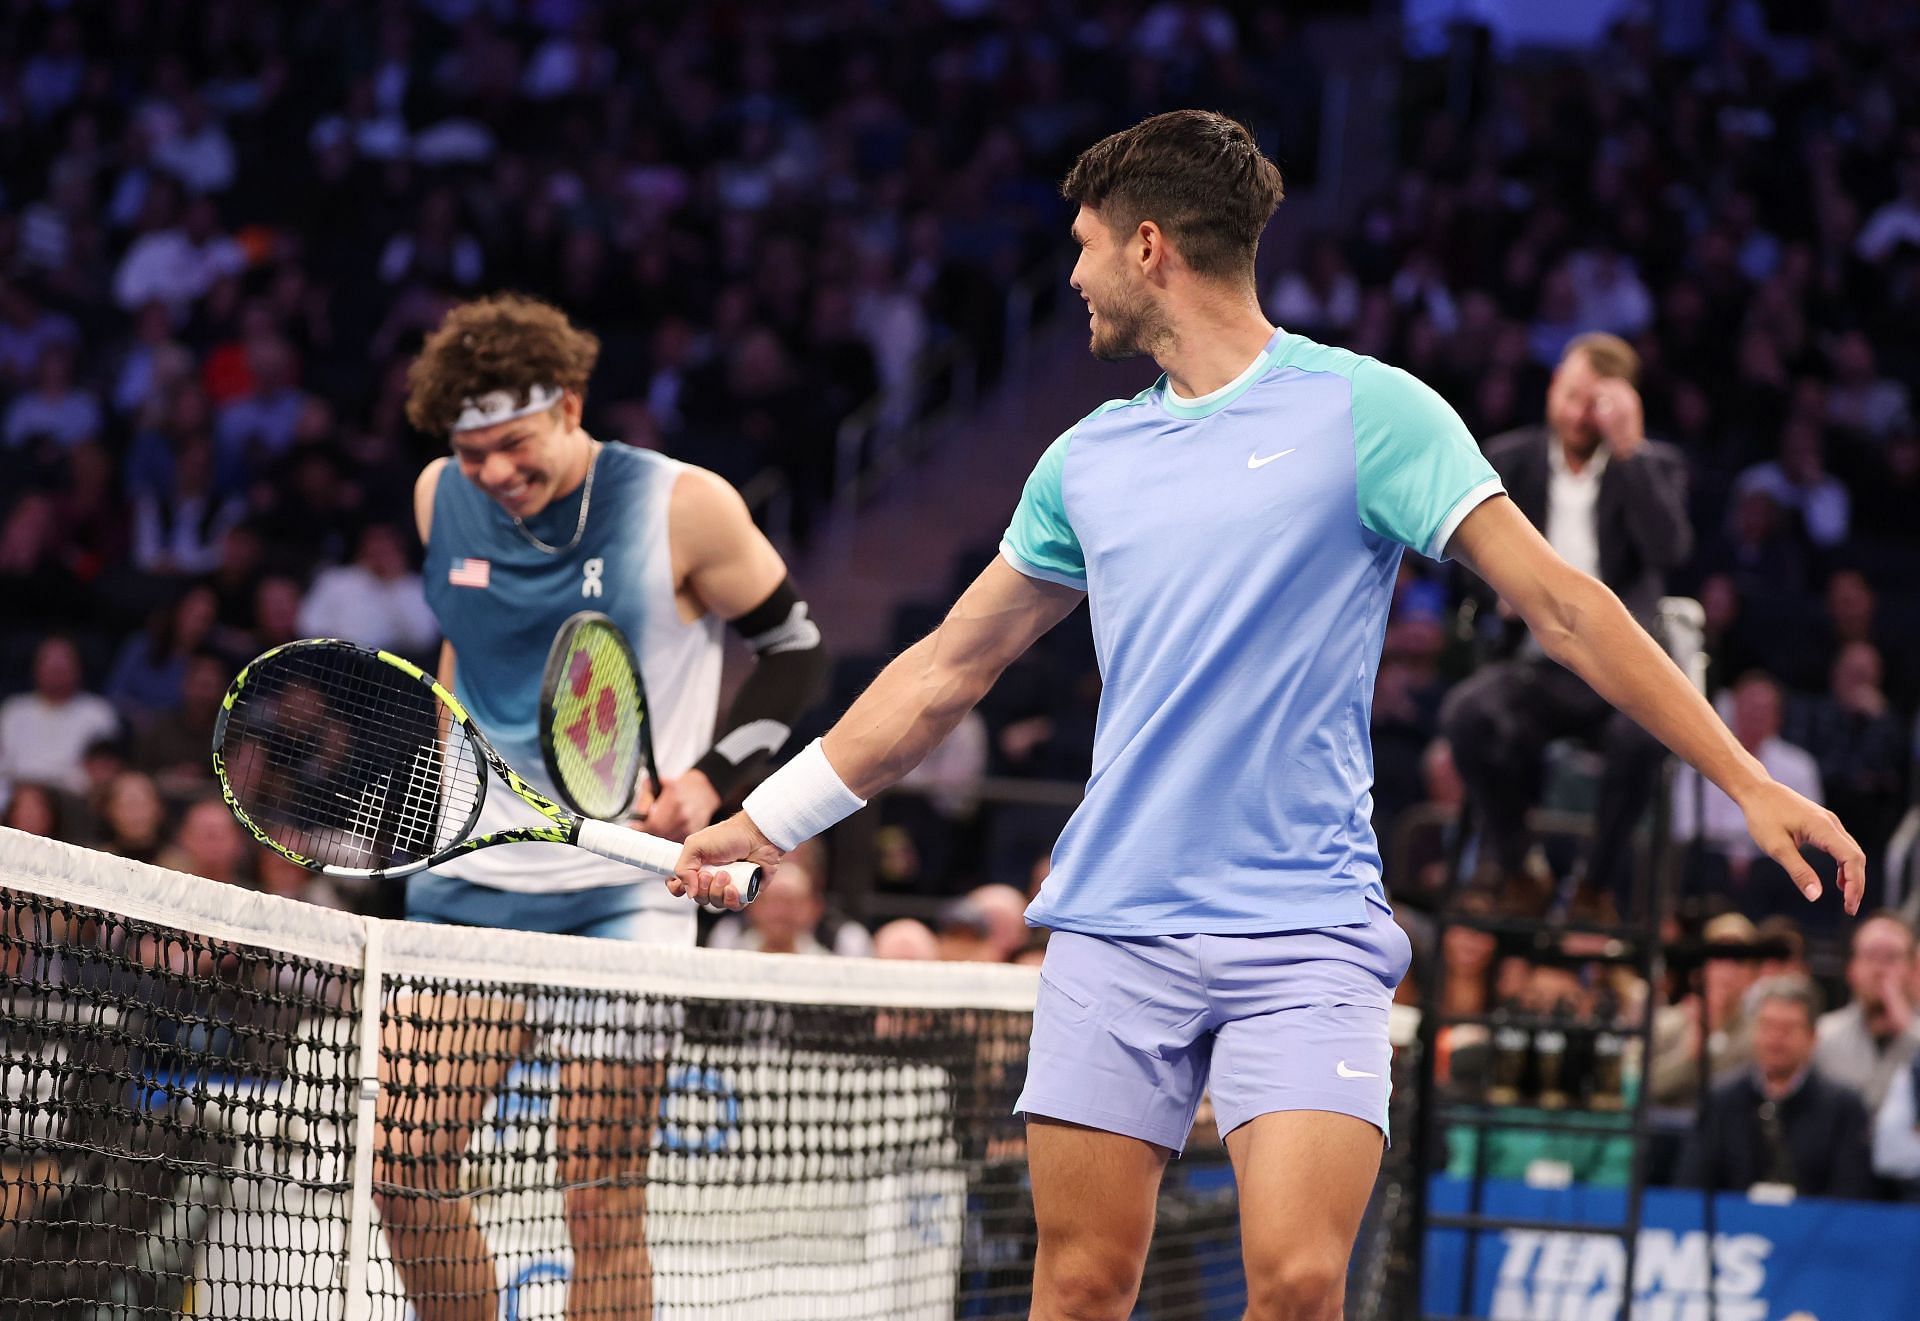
(1254, 461)
(1343, 1071)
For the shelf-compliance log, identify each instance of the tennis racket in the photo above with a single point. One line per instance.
(356, 763)
(595, 732)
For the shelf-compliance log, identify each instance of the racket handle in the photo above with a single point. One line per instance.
(651, 853)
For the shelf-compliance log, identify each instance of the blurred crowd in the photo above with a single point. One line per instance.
(224, 227)
(1747, 216)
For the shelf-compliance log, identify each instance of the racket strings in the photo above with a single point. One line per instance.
(597, 717)
(338, 756)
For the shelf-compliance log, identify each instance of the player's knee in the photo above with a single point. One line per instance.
(1085, 1286)
(1082, 1296)
(1296, 1285)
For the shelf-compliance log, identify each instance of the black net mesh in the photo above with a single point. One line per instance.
(178, 1116)
(335, 754)
(174, 1120)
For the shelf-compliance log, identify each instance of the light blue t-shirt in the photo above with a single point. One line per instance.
(1239, 553)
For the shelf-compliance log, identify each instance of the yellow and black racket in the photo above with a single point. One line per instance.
(595, 731)
(356, 763)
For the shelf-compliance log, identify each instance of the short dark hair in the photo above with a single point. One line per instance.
(1199, 175)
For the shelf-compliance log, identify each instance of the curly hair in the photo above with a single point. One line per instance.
(504, 342)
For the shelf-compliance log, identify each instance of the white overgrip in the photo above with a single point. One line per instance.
(651, 853)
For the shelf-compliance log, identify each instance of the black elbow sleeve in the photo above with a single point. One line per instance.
(789, 675)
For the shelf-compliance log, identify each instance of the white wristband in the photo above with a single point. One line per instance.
(801, 799)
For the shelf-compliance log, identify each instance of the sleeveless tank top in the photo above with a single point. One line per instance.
(501, 600)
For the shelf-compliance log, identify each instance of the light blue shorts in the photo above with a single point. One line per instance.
(1130, 1031)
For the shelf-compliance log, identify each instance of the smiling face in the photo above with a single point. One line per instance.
(1122, 319)
(526, 463)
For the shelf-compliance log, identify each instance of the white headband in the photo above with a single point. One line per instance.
(497, 406)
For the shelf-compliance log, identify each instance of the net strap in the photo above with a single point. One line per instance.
(420, 949)
(359, 1302)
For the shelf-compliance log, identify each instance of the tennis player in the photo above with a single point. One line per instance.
(528, 521)
(1216, 899)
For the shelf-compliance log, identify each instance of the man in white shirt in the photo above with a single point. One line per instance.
(1755, 720)
(55, 409)
(376, 600)
(1614, 505)
(1894, 222)
(1871, 1040)
(262, 424)
(1798, 480)
(1860, 399)
(44, 734)
(177, 264)
(198, 153)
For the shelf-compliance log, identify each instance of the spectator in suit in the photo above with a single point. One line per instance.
(1869, 1042)
(1614, 504)
(1782, 1122)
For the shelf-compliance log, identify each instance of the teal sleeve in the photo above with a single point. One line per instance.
(1418, 470)
(1040, 541)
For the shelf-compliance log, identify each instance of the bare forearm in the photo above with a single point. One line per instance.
(1593, 635)
(903, 715)
(1583, 626)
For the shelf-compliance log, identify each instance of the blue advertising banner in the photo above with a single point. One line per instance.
(1811, 1260)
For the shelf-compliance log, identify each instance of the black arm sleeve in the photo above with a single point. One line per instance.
(789, 673)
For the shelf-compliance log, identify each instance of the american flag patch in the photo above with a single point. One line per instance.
(470, 573)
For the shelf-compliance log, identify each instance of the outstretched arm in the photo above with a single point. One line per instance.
(913, 704)
(1582, 624)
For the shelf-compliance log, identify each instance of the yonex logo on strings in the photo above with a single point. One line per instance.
(596, 719)
(590, 579)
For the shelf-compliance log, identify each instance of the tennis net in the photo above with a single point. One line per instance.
(219, 1103)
